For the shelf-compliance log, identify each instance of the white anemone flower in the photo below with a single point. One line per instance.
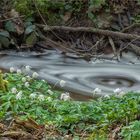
(27, 84)
(62, 83)
(27, 68)
(107, 96)
(12, 69)
(35, 75)
(19, 71)
(41, 98)
(97, 91)
(24, 79)
(19, 95)
(117, 90)
(33, 95)
(28, 77)
(65, 96)
(121, 94)
(50, 92)
(49, 99)
(14, 90)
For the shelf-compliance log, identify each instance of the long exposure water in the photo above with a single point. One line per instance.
(81, 77)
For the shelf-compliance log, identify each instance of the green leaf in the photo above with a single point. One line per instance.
(4, 41)
(10, 26)
(76, 138)
(38, 86)
(5, 34)
(6, 105)
(30, 29)
(0, 46)
(31, 39)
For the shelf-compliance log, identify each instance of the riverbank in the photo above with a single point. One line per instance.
(31, 108)
(86, 28)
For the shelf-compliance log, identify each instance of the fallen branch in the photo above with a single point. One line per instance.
(90, 29)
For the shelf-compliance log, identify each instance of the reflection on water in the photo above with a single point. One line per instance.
(80, 76)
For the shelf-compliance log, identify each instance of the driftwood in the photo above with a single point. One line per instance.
(114, 34)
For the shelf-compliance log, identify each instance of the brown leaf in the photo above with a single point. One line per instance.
(2, 127)
(15, 134)
(13, 13)
(30, 124)
(67, 16)
(113, 134)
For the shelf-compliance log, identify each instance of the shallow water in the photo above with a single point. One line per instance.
(81, 77)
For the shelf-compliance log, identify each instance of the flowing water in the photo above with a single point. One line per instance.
(81, 77)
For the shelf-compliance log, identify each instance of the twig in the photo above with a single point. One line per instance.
(39, 13)
(120, 21)
(11, 18)
(11, 123)
(135, 48)
(96, 44)
(113, 48)
(130, 27)
(59, 45)
(44, 20)
(112, 45)
(129, 44)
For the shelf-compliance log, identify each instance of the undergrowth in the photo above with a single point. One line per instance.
(132, 131)
(55, 11)
(26, 96)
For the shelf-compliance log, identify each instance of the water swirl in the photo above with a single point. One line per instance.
(81, 77)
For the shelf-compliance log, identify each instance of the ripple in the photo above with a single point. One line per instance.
(114, 81)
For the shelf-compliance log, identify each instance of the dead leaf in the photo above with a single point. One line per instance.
(67, 16)
(113, 133)
(17, 134)
(2, 127)
(13, 13)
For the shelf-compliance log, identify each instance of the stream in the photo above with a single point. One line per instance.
(81, 77)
